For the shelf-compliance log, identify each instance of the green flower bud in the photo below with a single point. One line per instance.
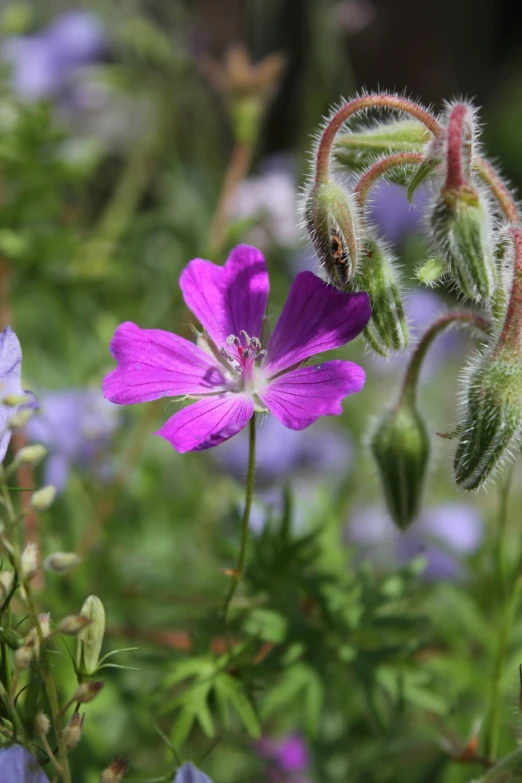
(30, 455)
(43, 498)
(72, 624)
(387, 329)
(91, 638)
(61, 562)
(430, 272)
(331, 220)
(400, 446)
(359, 150)
(492, 418)
(461, 230)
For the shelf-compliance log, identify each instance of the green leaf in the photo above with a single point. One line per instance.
(235, 692)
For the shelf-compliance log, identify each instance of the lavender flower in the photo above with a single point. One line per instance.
(393, 214)
(17, 765)
(444, 534)
(44, 65)
(10, 384)
(188, 773)
(76, 426)
(229, 373)
(288, 758)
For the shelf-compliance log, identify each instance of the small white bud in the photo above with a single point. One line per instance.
(42, 724)
(43, 498)
(6, 583)
(31, 455)
(87, 691)
(29, 561)
(73, 624)
(20, 419)
(60, 562)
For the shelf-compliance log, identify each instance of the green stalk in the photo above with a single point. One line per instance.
(249, 494)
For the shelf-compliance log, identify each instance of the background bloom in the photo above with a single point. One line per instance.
(444, 534)
(18, 766)
(76, 425)
(230, 373)
(44, 65)
(288, 758)
(188, 773)
(391, 211)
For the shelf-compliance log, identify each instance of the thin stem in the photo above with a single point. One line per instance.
(488, 174)
(237, 170)
(510, 336)
(411, 376)
(245, 522)
(377, 101)
(381, 167)
(459, 139)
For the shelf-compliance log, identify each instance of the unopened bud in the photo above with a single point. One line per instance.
(430, 272)
(360, 149)
(20, 419)
(73, 624)
(72, 733)
(45, 624)
(27, 653)
(29, 561)
(114, 772)
(188, 773)
(461, 231)
(6, 583)
(91, 638)
(43, 498)
(31, 455)
(387, 329)
(42, 724)
(491, 418)
(401, 448)
(61, 562)
(330, 216)
(87, 691)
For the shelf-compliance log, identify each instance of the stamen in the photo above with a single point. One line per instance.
(233, 340)
(247, 353)
(228, 356)
(255, 342)
(261, 353)
(246, 336)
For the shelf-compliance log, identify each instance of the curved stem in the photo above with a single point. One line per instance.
(381, 167)
(488, 174)
(374, 101)
(245, 521)
(411, 377)
(510, 336)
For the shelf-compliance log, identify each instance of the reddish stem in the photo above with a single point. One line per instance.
(488, 174)
(459, 134)
(510, 335)
(380, 168)
(376, 100)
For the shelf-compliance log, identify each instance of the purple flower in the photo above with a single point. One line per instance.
(229, 373)
(10, 384)
(76, 426)
(18, 766)
(45, 64)
(281, 451)
(443, 535)
(287, 757)
(188, 773)
(393, 214)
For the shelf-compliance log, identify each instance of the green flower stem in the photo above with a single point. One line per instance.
(249, 494)
(411, 377)
(381, 167)
(510, 599)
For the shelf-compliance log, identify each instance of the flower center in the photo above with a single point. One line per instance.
(242, 353)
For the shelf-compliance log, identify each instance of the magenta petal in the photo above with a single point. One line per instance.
(297, 398)
(227, 299)
(207, 422)
(315, 318)
(153, 363)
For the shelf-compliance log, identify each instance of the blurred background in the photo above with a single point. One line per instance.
(134, 136)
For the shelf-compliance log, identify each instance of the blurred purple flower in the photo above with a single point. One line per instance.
(444, 534)
(188, 773)
(394, 216)
(17, 765)
(44, 65)
(76, 425)
(280, 451)
(287, 757)
(269, 198)
(10, 384)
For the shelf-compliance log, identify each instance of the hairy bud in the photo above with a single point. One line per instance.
(29, 561)
(400, 446)
(61, 562)
(91, 638)
(114, 772)
(360, 149)
(430, 272)
(461, 231)
(491, 418)
(6, 583)
(72, 733)
(387, 329)
(30, 455)
(87, 691)
(73, 624)
(42, 724)
(331, 220)
(28, 652)
(43, 498)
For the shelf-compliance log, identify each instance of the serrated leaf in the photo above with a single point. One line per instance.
(235, 692)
